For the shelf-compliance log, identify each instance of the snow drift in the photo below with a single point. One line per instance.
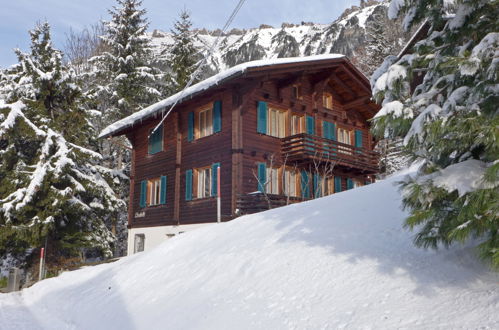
(342, 261)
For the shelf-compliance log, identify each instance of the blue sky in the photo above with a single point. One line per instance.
(18, 16)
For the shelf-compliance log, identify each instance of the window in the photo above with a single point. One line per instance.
(344, 136)
(297, 126)
(203, 177)
(156, 140)
(272, 186)
(297, 92)
(139, 243)
(205, 123)
(291, 183)
(153, 192)
(327, 100)
(201, 182)
(357, 183)
(277, 123)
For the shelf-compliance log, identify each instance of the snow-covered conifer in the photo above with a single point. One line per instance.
(126, 80)
(183, 55)
(51, 186)
(442, 100)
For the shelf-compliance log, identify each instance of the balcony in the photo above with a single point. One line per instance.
(309, 148)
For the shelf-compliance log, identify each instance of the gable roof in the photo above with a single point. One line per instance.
(118, 127)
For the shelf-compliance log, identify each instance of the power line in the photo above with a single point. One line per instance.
(202, 63)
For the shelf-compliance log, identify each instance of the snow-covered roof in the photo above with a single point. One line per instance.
(215, 80)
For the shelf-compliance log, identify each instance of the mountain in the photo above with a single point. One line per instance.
(342, 261)
(348, 35)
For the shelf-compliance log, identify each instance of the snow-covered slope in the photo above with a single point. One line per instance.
(342, 261)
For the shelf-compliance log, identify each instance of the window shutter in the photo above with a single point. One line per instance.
(310, 125)
(317, 185)
(332, 132)
(143, 193)
(305, 189)
(349, 184)
(262, 176)
(155, 143)
(262, 117)
(325, 129)
(358, 139)
(188, 185)
(214, 178)
(162, 196)
(217, 116)
(190, 129)
(337, 184)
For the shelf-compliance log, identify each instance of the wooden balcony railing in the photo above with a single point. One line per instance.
(258, 202)
(303, 147)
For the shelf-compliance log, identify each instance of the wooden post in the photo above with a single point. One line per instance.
(42, 259)
(219, 204)
(178, 163)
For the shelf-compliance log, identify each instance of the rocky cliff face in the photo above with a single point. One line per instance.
(347, 35)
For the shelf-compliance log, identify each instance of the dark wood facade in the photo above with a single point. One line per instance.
(292, 88)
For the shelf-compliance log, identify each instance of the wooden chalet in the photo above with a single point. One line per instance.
(281, 131)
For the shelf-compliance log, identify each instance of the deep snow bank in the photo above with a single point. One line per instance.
(342, 261)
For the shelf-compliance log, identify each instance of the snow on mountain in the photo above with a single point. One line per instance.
(342, 261)
(345, 35)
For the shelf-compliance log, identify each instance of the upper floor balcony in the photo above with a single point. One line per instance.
(309, 148)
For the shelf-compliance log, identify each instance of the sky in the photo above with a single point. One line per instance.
(19, 16)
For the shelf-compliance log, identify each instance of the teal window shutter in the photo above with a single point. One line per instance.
(349, 184)
(337, 184)
(188, 185)
(328, 130)
(190, 127)
(262, 117)
(305, 189)
(217, 116)
(156, 140)
(214, 178)
(143, 193)
(310, 125)
(325, 129)
(358, 139)
(262, 176)
(317, 185)
(162, 195)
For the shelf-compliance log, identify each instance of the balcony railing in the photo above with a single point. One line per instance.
(258, 202)
(303, 147)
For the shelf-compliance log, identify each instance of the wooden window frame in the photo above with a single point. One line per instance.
(297, 92)
(153, 192)
(287, 182)
(285, 126)
(327, 100)
(273, 187)
(197, 173)
(350, 135)
(301, 124)
(207, 112)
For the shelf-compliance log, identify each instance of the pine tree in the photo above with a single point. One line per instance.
(183, 55)
(126, 80)
(449, 121)
(51, 186)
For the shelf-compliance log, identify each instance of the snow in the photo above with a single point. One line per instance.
(395, 72)
(395, 109)
(16, 111)
(206, 84)
(394, 8)
(342, 261)
(464, 177)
